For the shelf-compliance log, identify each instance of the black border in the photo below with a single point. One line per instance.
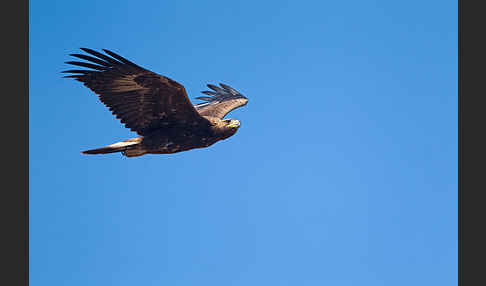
(14, 209)
(472, 142)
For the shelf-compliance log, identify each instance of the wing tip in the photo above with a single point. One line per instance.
(225, 91)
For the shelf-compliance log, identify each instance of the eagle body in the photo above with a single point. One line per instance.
(156, 107)
(173, 140)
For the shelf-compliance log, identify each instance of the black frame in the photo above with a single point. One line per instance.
(14, 195)
(472, 155)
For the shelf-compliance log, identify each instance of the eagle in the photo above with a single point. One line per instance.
(156, 107)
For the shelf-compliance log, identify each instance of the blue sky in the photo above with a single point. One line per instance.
(343, 172)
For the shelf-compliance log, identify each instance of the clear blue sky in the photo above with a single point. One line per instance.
(343, 172)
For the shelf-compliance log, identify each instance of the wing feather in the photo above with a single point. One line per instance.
(143, 100)
(220, 102)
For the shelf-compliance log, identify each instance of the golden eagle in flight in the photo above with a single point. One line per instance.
(155, 106)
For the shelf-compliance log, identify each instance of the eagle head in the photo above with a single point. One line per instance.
(227, 128)
(232, 123)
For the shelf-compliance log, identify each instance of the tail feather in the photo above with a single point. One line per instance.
(117, 147)
(103, 150)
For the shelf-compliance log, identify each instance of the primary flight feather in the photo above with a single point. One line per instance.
(155, 106)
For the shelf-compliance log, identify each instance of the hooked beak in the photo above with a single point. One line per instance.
(234, 123)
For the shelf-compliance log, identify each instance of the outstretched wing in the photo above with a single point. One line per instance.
(220, 101)
(143, 100)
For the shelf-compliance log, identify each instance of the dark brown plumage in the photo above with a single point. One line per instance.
(155, 106)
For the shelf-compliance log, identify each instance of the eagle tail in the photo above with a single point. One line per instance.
(117, 147)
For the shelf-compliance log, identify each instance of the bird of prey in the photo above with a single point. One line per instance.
(156, 107)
